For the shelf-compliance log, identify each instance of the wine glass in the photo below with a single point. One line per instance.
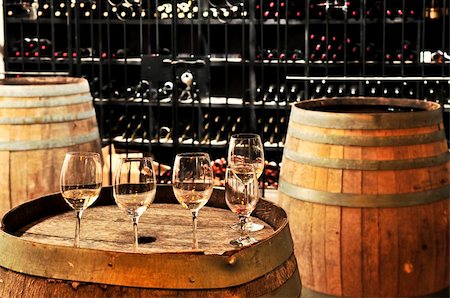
(192, 183)
(246, 152)
(81, 182)
(242, 197)
(134, 188)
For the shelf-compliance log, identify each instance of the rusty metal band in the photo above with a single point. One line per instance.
(369, 165)
(46, 119)
(363, 200)
(291, 288)
(365, 121)
(50, 87)
(153, 270)
(309, 293)
(376, 141)
(48, 102)
(66, 141)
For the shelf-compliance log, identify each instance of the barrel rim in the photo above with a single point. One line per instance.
(42, 86)
(39, 81)
(401, 102)
(430, 115)
(113, 267)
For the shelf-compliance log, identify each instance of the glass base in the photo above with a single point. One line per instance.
(243, 241)
(249, 226)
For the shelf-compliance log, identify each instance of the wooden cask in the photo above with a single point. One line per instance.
(365, 184)
(40, 120)
(38, 259)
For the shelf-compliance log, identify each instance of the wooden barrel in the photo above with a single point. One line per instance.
(40, 120)
(365, 184)
(38, 259)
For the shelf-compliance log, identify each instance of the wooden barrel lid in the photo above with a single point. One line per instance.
(35, 240)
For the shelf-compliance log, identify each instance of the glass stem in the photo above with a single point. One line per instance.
(76, 242)
(135, 231)
(242, 222)
(194, 229)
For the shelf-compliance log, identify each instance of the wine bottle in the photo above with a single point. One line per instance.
(354, 13)
(296, 10)
(337, 10)
(259, 95)
(237, 126)
(282, 94)
(353, 52)
(222, 134)
(297, 55)
(272, 54)
(374, 89)
(188, 135)
(270, 94)
(330, 90)
(44, 9)
(374, 12)
(293, 94)
(341, 90)
(18, 10)
(354, 90)
(397, 91)
(125, 11)
(317, 10)
(318, 91)
(268, 128)
(371, 52)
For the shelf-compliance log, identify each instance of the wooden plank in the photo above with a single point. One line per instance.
(19, 177)
(351, 232)
(333, 229)
(5, 200)
(318, 262)
(389, 245)
(441, 243)
(351, 252)
(333, 268)
(370, 252)
(370, 232)
(407, 218)
(426, 252)
(301, 224)
(169, 223)
(321, 181)
(389, 252)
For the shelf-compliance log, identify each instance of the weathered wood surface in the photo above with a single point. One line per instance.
(38, 259)
(41, 119)
(109, 228)
(373, 233)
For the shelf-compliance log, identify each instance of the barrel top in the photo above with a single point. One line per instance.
(44, 228)
(366, 113)
(42, 86)
(385, 105)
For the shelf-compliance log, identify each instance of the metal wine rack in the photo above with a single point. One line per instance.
(171, 76)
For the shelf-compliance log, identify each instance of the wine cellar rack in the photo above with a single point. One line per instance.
(171, 76)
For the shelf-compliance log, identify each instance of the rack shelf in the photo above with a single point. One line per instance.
(227, 57)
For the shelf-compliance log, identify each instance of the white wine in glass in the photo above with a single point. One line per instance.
(245, 159)
(81, 182)
(134, 189)
(192, 182)
(241, 198)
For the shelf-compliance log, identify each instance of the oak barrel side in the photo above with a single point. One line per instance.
(41, 119)
(365, 183)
